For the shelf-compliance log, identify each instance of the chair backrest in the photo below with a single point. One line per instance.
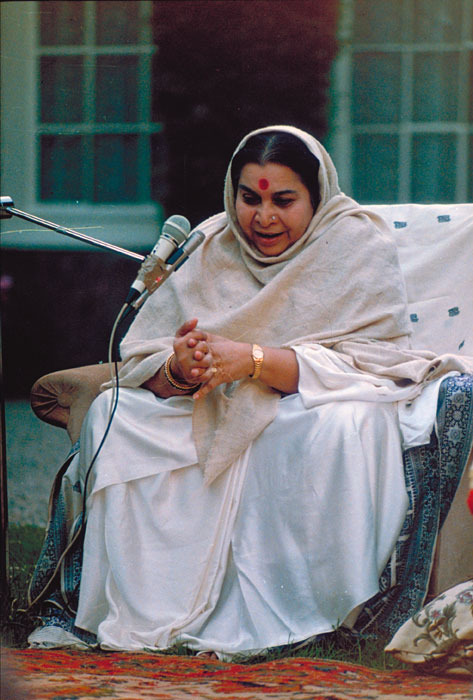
(435, 245)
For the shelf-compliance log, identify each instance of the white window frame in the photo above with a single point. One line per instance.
(343, 131)
(130, 225)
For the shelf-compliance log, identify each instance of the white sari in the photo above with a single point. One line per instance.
(287, 543)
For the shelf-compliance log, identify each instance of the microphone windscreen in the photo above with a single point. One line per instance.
(176, 227)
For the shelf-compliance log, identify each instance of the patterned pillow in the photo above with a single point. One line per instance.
(440, 636)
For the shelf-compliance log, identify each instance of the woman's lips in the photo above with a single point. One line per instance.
(268, 236)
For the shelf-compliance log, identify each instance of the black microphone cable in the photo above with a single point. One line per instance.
(113, 364)
(174, 262)
(79, 526)
(79, 535)
(178, 257)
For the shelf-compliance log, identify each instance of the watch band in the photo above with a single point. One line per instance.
(257, 355)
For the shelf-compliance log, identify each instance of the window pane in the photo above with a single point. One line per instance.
(437, 20)
(61, 89)
(377, 21)
(61, 23)
(375, 168)
(116, 89)
(376, 88)
(117, 22)
(116, 172)
(433, 168)
(435, 86)
(61, 167)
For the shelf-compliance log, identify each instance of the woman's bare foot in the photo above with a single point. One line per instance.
(207, 655)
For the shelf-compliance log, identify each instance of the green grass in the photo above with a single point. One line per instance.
(339, 645)
(25, 543)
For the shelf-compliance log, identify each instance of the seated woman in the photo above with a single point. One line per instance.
(251, 488)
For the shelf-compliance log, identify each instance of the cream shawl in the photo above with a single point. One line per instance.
(339, 286)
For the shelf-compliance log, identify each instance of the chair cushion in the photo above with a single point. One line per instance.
(440, 636)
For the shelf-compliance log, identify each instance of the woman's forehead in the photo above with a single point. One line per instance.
(273, 176)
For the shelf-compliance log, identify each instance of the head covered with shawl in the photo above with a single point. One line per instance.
(338, 285)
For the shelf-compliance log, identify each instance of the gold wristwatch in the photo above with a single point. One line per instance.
(257, 355)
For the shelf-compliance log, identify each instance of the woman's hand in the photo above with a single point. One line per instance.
(232, 361)
(192, 360)
(190, 364)
(209, 360)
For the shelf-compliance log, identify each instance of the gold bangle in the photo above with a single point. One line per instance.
(172, 381)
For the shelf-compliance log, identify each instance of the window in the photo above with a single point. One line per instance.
(403, 100)
(94, 101)
(78, 143)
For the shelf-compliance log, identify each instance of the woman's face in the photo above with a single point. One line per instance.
(273, 206)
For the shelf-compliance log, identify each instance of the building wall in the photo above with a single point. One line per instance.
(58, 310)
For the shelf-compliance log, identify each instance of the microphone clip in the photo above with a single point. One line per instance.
(152, 272)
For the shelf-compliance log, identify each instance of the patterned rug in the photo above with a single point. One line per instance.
(73, 675)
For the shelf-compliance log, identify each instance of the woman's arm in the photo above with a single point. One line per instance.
(280, 369)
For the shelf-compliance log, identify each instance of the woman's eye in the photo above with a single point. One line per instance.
(283, 202)
(250, 199)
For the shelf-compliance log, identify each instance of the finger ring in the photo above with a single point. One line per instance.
(214, 370)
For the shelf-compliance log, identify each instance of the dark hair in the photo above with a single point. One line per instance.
(282, 148)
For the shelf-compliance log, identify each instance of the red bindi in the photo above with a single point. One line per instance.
(263, 184)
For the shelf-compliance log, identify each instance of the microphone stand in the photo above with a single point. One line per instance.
(7, 210)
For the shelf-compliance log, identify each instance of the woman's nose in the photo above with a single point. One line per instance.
(265, 215)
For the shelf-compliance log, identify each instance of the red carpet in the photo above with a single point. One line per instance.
(74, 675)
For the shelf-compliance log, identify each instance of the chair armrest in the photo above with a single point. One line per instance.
(63, 398)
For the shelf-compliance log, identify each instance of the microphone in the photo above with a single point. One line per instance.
(174, 232)
(179, 256)
(174, 262)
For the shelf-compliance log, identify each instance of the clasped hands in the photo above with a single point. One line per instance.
(208, 359)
